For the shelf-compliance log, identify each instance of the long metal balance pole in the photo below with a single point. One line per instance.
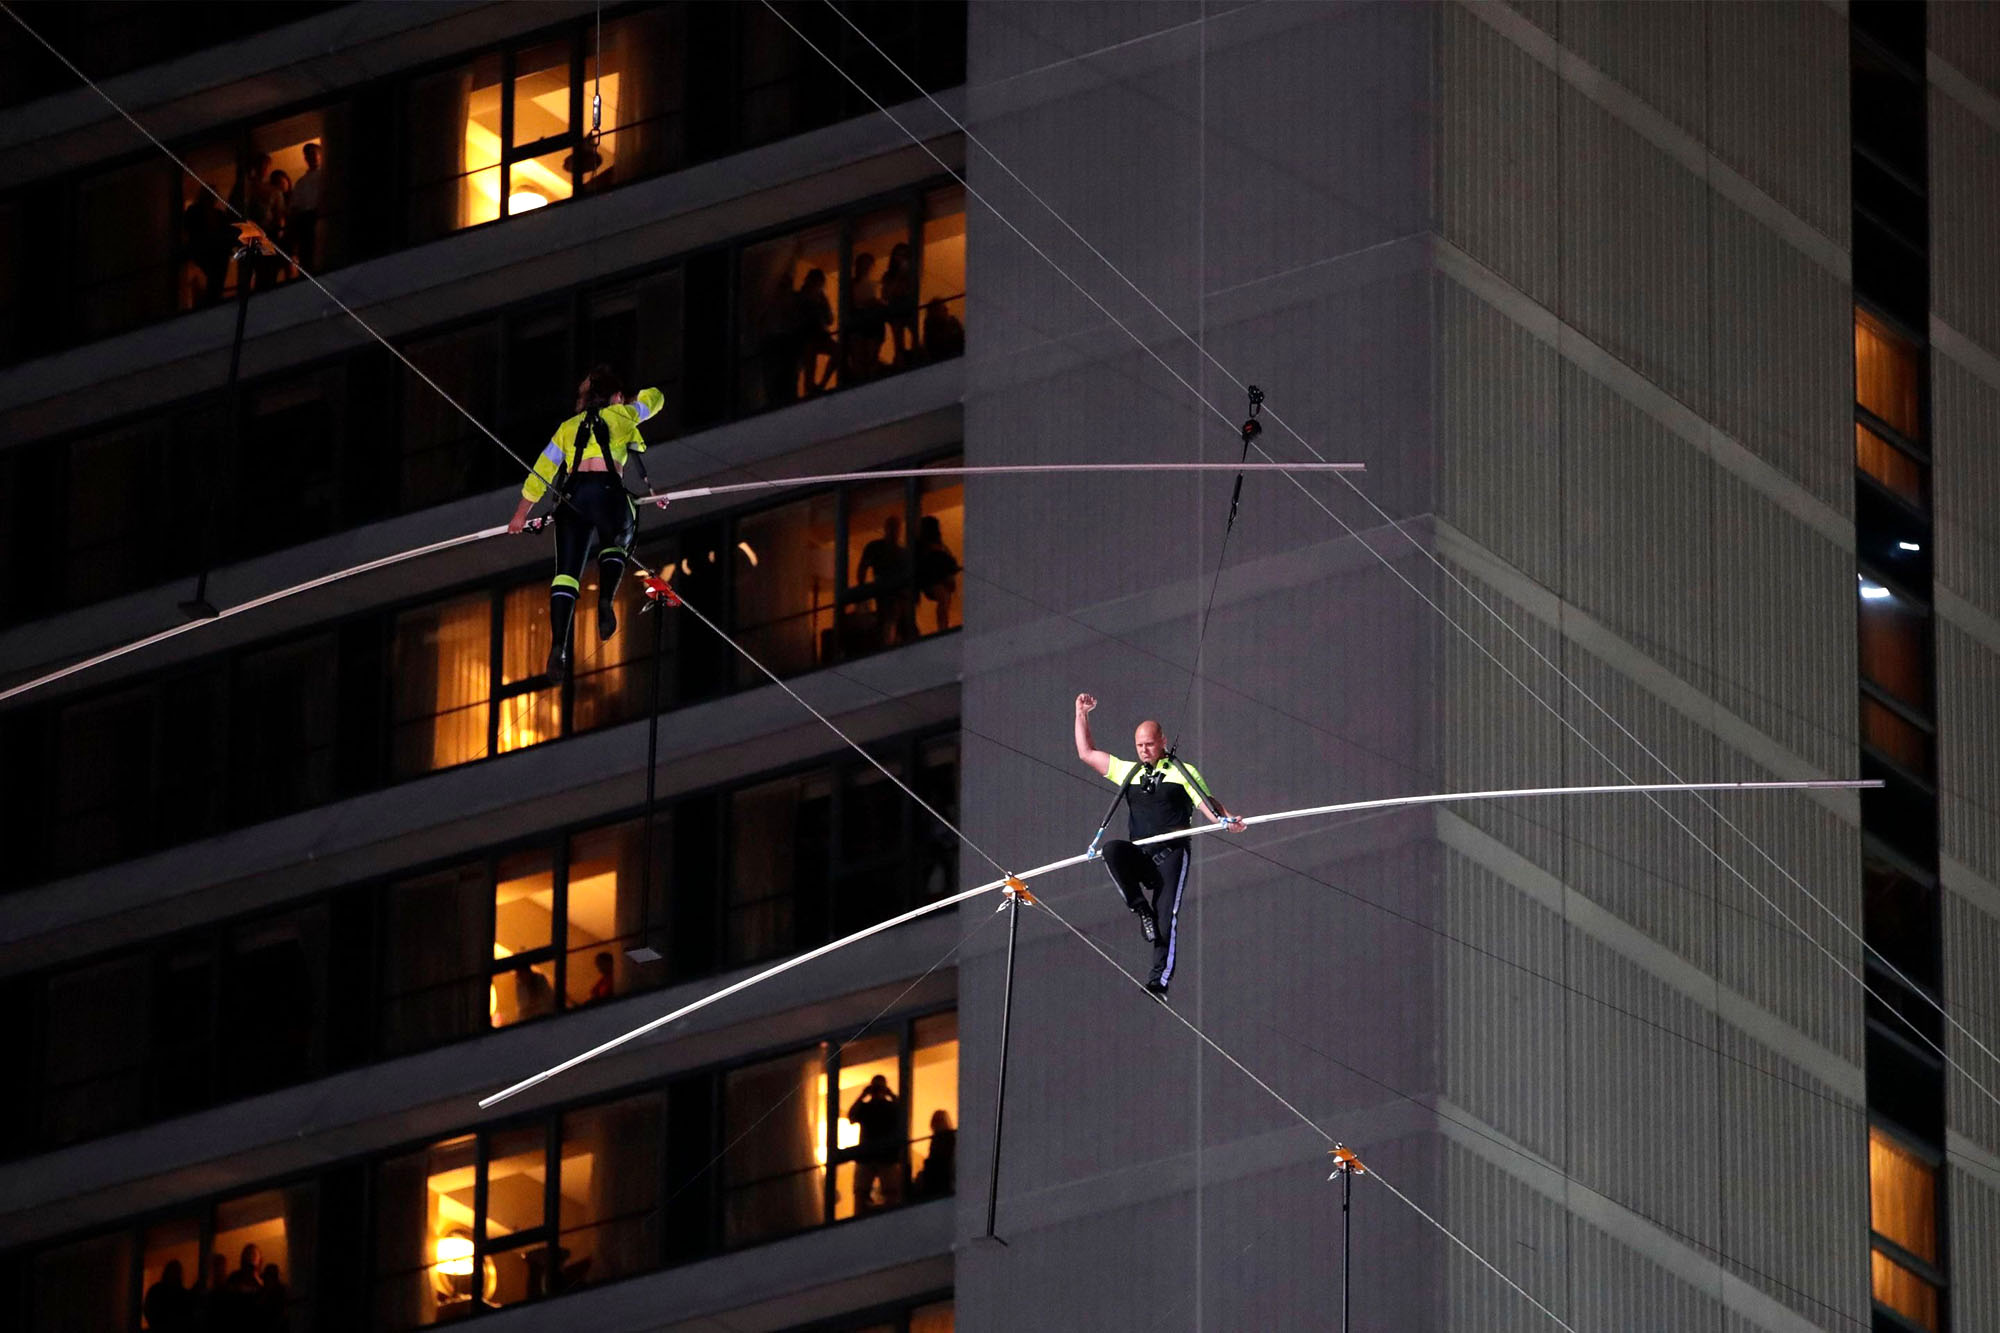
(964, 895)
(1000, 1092)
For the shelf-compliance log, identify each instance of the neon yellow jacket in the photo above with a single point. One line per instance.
(559, 457)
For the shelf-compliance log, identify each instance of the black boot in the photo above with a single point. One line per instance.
(610, 569)
(562, 609)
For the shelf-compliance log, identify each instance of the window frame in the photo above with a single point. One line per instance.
(1932, 1274)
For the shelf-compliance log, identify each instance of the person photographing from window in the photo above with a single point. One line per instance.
(1161, 794)
(583, 468)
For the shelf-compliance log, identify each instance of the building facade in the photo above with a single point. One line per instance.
(1666, 333)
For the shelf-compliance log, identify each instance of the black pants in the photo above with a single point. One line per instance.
(598, 508)
(1161, 871)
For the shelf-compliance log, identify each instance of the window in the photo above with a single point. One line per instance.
(285, 761)
(942, 333)
(1896, 736)
(511, 1215)
(87, 1285)
(244, 1263)
(510, 132)
(643, 93)
(1903, 475)
(94, 1049)
(426, 1211)
(444, 455)
(608, 1181)
(112, 491)
(284, 185)
(934, 1108)
(292, 427)
(524, 950)
(440, 672)
(1900, 920)
(824, 1134)
(124, 248)
(1895, 644)
(103, 777)
(435, 974)
(847, 302)
(834, 577)
(1902, 1196)
(1887, 375)
(774, 1117)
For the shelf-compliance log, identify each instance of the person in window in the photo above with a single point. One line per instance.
(533, 995)
(234, 1308)
(270, 1303)
(302, 226)
(169, 1306)
(868, 318)
(934, 1177)
(944, 336)
(605, 987)
(210, 240)
(882, 566)
(813, 318)
(1161, 794)
(899, 304)
(583, 469)
(937, 570)
(878, 1157)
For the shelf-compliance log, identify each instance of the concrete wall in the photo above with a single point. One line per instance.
(1146, 1182)
(1965, 405)
(1574, 281)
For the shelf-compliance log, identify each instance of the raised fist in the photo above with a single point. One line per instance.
(1085, 702)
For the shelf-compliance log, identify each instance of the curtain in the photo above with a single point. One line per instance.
(769, 1170)
(438, 109)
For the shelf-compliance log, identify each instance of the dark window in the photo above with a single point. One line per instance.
(124, 248)
(435, 986)
(113, 492)
(283, 756)
(87, 1285)
(103, 779)
(1905, 1082)
(94, 1045)
(445, 455)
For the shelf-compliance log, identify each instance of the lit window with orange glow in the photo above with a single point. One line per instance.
(1887, 371)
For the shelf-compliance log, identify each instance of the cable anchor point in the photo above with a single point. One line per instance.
(1252, 427)
(1344, 1161)
(1016, 891)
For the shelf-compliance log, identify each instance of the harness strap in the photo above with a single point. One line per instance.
(1108, 814)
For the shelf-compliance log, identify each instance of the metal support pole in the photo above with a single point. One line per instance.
(646, 953)
(199, 607)
(1346, 1222)
(1000, 1093)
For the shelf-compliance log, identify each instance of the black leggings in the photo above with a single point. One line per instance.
(598, 508)
(1160, 870)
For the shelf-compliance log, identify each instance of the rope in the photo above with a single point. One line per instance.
(1426, 553)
